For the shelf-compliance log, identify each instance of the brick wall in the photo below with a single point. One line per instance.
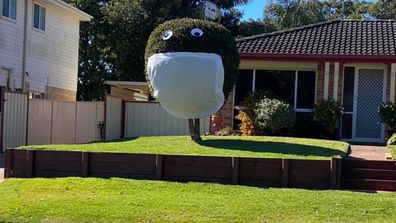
(226, 114)
(320, 82)
(331, 80)
(54, 93)
(388, 80)
(340, 83)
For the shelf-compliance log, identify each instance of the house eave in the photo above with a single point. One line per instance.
(82, 16)
(321, 57)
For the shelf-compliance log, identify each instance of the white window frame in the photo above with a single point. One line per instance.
(39, 17)
(9, 11)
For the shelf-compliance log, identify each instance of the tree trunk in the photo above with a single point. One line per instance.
(194, 130)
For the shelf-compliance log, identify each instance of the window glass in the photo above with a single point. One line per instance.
(244, 85)
(347, 120)
(279, 84)
(9, 8)
(349, 80)
(39, 17)
(306, 90)
(42, 18)
(36, 23)
(12, 10)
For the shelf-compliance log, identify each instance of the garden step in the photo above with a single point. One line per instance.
(360, 173)
(369, 184)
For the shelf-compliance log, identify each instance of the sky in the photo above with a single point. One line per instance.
(254, 9)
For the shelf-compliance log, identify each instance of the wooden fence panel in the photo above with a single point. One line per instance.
(313, 174)
(197, 168)
(39, 122)
(122, 165)
(57, 164)
(260, 172)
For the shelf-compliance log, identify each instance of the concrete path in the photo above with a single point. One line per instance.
(369, 152)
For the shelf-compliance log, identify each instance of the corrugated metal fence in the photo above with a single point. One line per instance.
(15, 118)
(113, 118)
(150, 119)
(37, 122)
(54, 122)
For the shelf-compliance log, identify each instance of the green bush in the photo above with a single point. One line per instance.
(387, 113)
(391, 140)
(274, 114)
(215, 39)
(328, 112)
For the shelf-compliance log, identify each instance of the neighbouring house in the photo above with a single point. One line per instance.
(39, 43)
(129, 90)
(351, 61)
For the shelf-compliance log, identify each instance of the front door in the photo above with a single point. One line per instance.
(364, 91)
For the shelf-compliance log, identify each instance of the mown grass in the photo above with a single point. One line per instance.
(122, 200)
(271, 147)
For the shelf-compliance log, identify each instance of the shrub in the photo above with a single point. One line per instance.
(249, 103)
(215, 39)
(246, 126)
(328, 112)
(274, 114)
(392, 140)
(387, 113)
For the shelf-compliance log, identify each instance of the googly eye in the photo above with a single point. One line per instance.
(197, 32)
(167, 34)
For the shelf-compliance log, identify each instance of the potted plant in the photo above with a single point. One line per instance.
(387, 113)
(328, 112)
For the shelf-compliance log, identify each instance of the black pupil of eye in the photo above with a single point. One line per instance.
(196, 33)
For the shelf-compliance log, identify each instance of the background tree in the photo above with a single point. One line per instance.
(384, 9)
(112, 45)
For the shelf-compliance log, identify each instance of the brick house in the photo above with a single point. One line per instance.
(351, 61)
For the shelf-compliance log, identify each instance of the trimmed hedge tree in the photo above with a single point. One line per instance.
(214, 38)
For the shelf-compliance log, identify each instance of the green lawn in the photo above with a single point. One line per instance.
(273, 147)
(122, 200)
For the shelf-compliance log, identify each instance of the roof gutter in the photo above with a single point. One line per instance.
(315, 57)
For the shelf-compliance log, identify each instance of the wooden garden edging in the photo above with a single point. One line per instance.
(293, 173)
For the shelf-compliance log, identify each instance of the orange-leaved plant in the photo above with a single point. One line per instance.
(246, 126)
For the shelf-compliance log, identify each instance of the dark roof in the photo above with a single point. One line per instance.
(336, 37)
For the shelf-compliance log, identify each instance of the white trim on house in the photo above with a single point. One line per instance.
(336, 77)
(326, 81)
(392, 83)
(80, 14)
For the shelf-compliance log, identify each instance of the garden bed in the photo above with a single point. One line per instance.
(392, 150)
(263, 147)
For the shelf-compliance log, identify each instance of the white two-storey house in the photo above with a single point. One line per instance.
(39, 42)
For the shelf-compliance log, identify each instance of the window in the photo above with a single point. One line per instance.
(244, 86)
(39, 17)
(294, 87)
(8, 8)
(277, 84)
(305, 90)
